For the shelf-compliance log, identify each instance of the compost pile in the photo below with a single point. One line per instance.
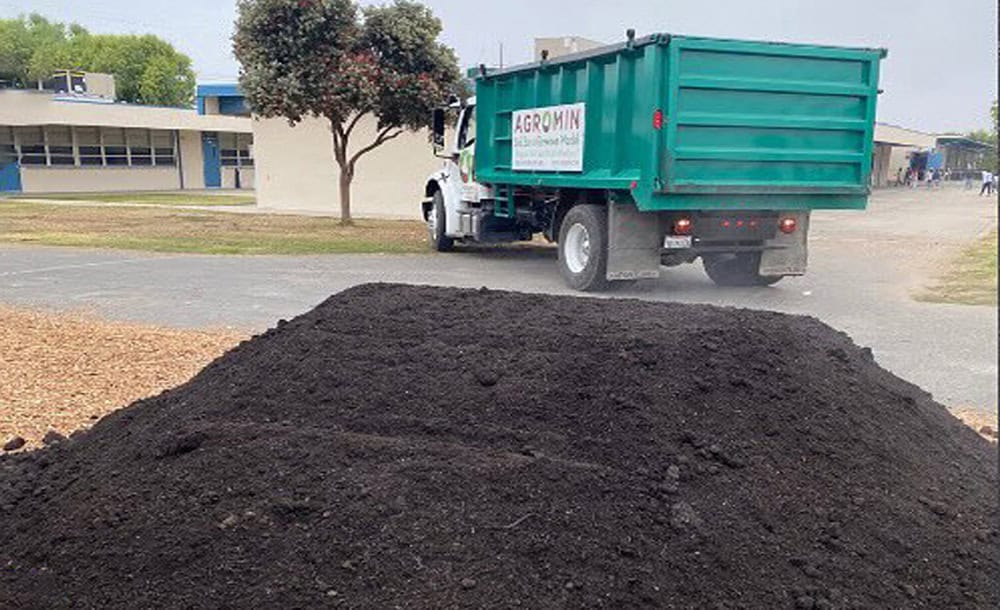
(431, 448)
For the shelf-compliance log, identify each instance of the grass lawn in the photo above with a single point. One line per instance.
(198, 231)
(157, 198)
(971, 279)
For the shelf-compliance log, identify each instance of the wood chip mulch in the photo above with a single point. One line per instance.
(62, 372)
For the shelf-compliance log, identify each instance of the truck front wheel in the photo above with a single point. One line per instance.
(583, 247)
(737, 269)
(436, 225)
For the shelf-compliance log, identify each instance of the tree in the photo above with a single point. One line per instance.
(140, 61)
(147, 69)
(988, 137)
(28, 41)
(327, 58)
(165, 81)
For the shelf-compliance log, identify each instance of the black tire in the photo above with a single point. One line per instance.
(738, 269)
(436, 225)
(589, 273)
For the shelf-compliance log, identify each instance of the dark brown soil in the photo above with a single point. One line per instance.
(432, 448)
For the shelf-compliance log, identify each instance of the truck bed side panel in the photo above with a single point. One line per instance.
(749, 117)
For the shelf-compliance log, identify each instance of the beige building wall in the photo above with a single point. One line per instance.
(563, 45)
(246, 177)
(101, 179)
(296, 170)
(191, 159)
(39, 108)
(211, 105)
(900, 136)
(102, 85)
(899, 160)
(901, 142)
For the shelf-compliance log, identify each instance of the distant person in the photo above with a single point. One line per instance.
(994, 185)
(987, 183)
(899, 177)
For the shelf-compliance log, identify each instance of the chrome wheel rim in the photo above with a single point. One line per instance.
(577, 248)
(432, 222)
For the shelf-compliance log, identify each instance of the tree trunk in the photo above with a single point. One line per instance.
(346, 175)
(346, 171)
(340, 141)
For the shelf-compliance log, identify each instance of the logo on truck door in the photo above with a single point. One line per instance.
(549, 138)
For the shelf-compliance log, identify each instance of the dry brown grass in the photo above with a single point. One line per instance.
(61, 372)
(161, 229)
(971, 279)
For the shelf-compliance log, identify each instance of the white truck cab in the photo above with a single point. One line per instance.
(453, 191)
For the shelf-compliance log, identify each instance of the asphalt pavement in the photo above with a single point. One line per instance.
(864, 268)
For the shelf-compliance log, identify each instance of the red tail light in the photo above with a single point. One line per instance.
(788, 225)
(682, 226)
(658, 119)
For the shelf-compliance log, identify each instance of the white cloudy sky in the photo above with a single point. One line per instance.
(941, 73)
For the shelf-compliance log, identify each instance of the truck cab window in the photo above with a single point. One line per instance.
(467, 130)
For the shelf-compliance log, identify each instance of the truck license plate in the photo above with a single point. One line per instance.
(677, 242)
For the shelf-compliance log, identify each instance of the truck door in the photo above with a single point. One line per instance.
(465, 144)
(459, 169)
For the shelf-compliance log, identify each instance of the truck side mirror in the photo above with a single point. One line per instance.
(437, 128)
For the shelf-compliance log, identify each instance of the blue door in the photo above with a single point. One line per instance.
(10, 177)
(210, 152)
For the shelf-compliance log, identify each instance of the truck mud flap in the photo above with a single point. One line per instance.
(787, 254)
(633, 242)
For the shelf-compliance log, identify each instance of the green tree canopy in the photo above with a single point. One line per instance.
(330, 59)
(147, 69)
(989, 137)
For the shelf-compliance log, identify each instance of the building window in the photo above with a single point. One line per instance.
(115, 149)
(31, 142)
(235, 149)
(59, 139)
(244, 146)
(163, 148)
(59, 145)
(8, 152)
(227, 150)
(88, 142)
(139, 147)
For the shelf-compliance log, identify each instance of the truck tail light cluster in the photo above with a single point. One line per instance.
(658, 119)
(788, 224)
(682, 226)
(739, 224)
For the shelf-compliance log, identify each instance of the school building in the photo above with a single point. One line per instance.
(296, 170)
(72, 137)
(898, 149)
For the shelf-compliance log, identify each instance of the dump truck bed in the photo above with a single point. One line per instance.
(691, 123)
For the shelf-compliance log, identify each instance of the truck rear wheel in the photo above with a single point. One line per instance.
(436, 225)
(583, 247)
(737, 269)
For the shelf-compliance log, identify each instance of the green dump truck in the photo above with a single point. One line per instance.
(659, 151)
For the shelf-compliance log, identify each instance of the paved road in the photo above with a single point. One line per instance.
(864, 266)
